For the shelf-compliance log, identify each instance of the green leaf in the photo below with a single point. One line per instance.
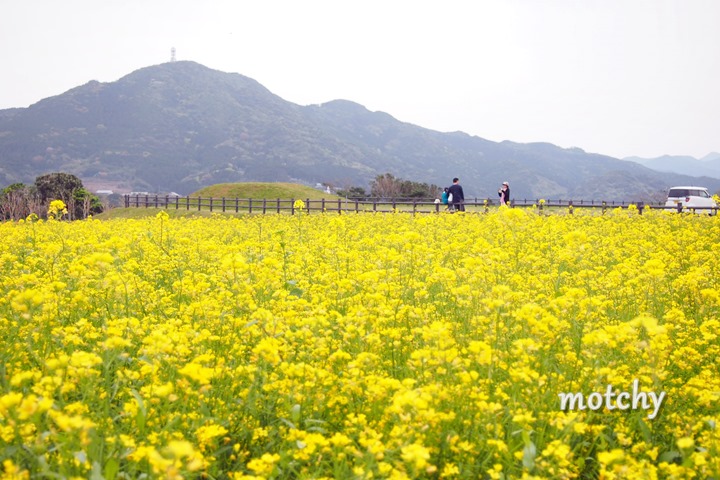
(141, 413)
(646, 433)
(295, 413)
(95, 473)
(529, 451)
(670, 457)
(112, 467)
(529, 454)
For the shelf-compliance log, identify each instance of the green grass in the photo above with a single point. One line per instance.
(262, 190)
(331, 207)
(270, 192)
(142, 212)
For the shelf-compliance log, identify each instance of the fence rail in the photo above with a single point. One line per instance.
(340, 205)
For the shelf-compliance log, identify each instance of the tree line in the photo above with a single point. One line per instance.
(388, 186)
(19, 200)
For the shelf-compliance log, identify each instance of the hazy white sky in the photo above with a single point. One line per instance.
(618, 77)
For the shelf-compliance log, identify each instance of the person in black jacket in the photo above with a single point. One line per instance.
(458, 197)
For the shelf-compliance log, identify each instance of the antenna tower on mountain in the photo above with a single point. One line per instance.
(172, 54)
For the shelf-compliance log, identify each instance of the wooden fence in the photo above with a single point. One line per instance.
(346, 205)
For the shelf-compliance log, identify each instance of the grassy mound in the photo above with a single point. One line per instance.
(242, 191)
(262, 190)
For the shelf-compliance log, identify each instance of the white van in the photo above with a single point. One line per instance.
(691, 197)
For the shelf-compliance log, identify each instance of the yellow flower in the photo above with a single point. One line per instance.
(13, 472)
(207, 433)
(449, 470)
(685, 443)
(610, 457)
(180, 448)
(57, 209)
(368, 344)
(264, 465)
(196, 372)
(416, 455)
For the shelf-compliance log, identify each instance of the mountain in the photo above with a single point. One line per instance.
(180, 126)
(708, 166)
(711, 157)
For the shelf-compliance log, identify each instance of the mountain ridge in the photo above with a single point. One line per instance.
(708, 165)
(180, 126)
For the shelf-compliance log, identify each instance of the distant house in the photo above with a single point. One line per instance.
(104, 192)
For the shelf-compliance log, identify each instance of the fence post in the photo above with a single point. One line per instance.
(237, 204)
(278, 205)
(322, 205)
(167, 200)
(264, 205)
(356, 205)
(211, 203)
(307, 205)
(249, 205)
(679, 207)
(640, 207)
(339, 206)
(292, 206)
(126, 198)
(223, 204)
(156, 200)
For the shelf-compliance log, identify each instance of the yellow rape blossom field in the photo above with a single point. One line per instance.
(359, 346)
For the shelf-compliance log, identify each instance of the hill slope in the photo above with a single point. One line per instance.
(708, 166)
(261, 190)
(180, 126)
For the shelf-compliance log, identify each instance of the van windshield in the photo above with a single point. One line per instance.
(679, 192)
(687, 192)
